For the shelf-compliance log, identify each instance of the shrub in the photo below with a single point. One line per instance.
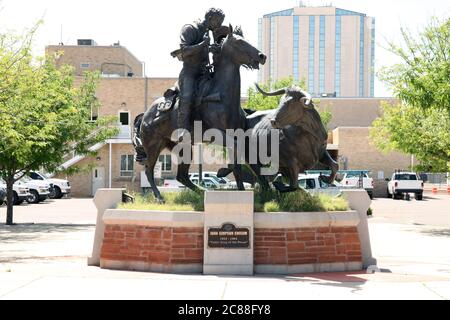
(271, 206)
(189, 197)
(333, 203)
(300, 201)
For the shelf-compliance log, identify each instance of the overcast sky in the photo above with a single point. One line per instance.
(150, 29)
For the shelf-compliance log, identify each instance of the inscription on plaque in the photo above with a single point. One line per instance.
(228, 236)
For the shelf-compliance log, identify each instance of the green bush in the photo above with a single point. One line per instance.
(264, 201)
(300, 201)
(189, 197)
(271, 206)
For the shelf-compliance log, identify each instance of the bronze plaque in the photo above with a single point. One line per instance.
(229, 237)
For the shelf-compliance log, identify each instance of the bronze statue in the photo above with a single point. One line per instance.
(194, 52)
(217, 106)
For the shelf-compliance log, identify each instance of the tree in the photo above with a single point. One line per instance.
(420, 124)
(257, 101)
(43, 116)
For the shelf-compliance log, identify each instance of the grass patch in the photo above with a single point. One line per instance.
(264, 201)
(185, 200)
(298, 201)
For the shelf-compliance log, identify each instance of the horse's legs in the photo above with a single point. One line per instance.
(292, 174)
(263, 183)
(183, 170)
(333, 165)
(152, 158)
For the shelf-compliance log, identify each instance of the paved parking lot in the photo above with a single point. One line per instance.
(44, 256)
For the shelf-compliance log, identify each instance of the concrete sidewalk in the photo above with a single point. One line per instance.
(47, 260)
(54, 267)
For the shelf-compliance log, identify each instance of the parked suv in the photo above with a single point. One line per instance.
(39, 190)
(403, 183)
(2, 195)
(58, 187)
(20, 192)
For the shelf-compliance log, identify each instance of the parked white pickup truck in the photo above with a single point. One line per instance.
(403, 183)
(59, 187)
(20, 192)
(358, 179)
(315, 186)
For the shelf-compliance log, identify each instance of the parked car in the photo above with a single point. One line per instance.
(207, 182)
(210, 174)
(403, 183)
(39, 190)
(20, 192)
(313, 184)
(58, 187)
(2, 195)
(358, 179)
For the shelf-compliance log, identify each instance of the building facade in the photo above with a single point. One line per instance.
(123, 92)
(332, 49)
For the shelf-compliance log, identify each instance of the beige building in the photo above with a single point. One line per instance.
(332, 49)
(122, 92)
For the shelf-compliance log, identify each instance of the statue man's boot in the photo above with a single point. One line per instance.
(184, 122)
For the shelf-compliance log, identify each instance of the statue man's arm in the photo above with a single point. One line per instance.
(188, 45)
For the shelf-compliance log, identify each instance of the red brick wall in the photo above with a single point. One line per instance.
(307, 246)
(161, 245)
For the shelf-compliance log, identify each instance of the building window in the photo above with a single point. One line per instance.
(126, 165)
(372, 61)
(361, 56)
(85, 65)
(260, 45)
(295, 70)
(166, 161)
(124, 118)
(272, 49)
(322, 55)
(337, 79)
(312, 33)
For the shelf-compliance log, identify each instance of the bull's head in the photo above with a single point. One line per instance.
(293, 105)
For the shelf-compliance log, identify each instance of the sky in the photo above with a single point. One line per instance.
(150, 29)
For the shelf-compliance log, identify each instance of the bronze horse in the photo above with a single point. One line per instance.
(226, 113)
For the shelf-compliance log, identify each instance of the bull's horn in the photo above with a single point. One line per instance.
(308, 99)
(270, 94)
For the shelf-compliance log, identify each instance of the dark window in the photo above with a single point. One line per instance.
(124, 118)
(307, 184)
(35, 176)
(126, 165)
(405, 177)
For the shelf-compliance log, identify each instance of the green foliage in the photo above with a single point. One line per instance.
(185, 200)
(412, 130)
(271, 206)
(298, 201)
(421, 124)
(369, 212)
(257, 101)
(189, 197)
(43, 115)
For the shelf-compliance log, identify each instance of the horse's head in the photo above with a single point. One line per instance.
(292, 108)
(240, 52)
